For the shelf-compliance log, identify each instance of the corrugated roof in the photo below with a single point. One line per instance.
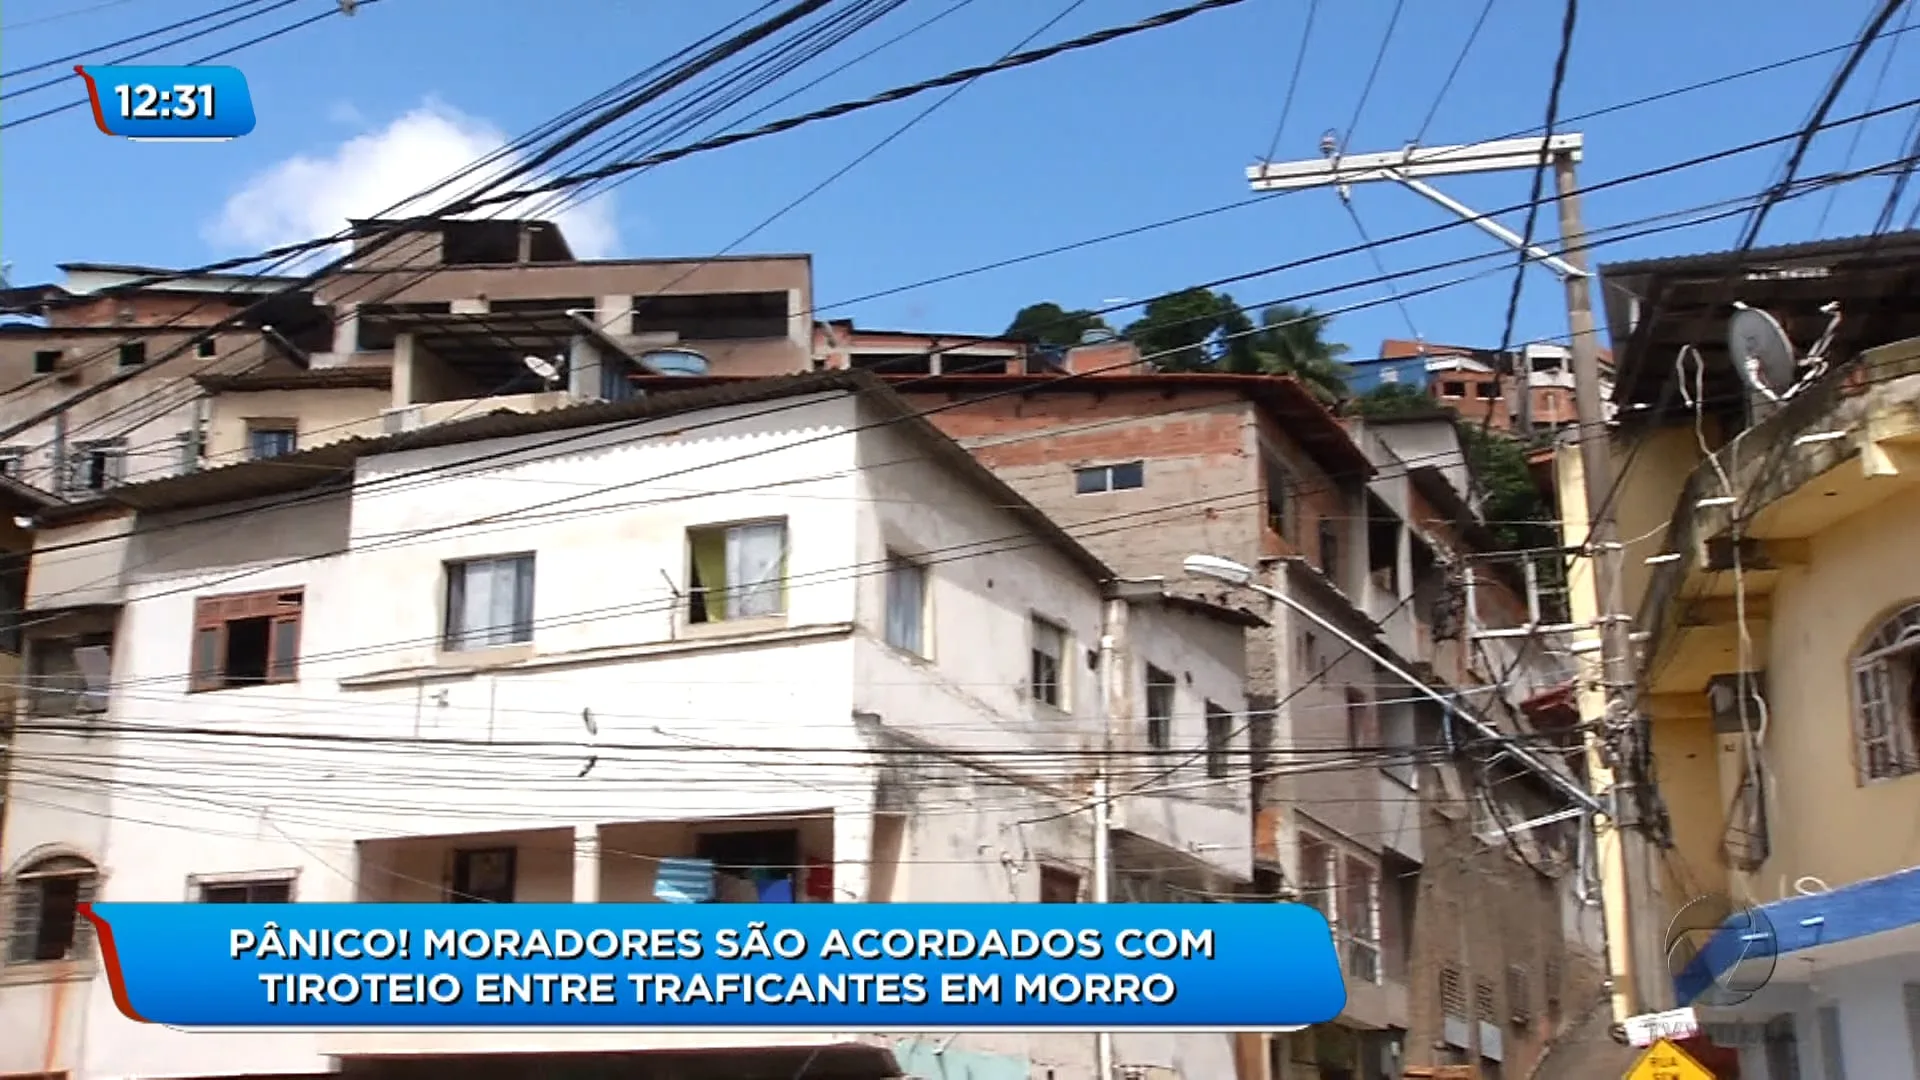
(1811, 249)
(328, 468)
(364, 376)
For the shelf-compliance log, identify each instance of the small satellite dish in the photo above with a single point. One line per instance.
(547, 370)
(1762, 351)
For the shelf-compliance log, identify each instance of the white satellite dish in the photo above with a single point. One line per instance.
(547, 370)
(1762, 352)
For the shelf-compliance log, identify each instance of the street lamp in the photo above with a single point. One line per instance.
(1236, 574)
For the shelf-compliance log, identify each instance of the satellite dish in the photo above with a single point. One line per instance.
(1762, 352)
(548, 370)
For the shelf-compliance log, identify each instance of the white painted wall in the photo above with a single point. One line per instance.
(406, 741)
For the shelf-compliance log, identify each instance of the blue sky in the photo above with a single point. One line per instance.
(1151, 127)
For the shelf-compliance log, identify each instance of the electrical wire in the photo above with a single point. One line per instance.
(1293, 80)
(1814, 123)
(1554, 87)
(572, 438)
(64, 15)
(473, 203)
(1373, 74)
(1853, 140)
(1453, 73)
(132, 39)
(287, 251)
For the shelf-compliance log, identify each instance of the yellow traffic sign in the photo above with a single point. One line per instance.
(1665, 1061)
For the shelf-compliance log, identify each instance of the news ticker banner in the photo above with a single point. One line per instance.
(920, 967)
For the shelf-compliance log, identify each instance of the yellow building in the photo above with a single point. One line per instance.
(1772, 568)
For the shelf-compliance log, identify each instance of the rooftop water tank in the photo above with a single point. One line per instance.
(681, 362)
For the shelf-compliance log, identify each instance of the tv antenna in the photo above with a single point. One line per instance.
(547, 370)
(1765, 357)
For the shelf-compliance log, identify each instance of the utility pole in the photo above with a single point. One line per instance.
(1636, 961)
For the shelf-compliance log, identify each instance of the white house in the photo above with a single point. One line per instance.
(593, 654)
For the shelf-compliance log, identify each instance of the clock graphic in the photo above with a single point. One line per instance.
(169, 103)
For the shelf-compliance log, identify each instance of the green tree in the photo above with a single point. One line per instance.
(1047, 323)
(1175, 329)
(1394, 399)
(1293, 341)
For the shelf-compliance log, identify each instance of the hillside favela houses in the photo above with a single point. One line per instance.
(629, 580)
(317, 708)
(1770, 510)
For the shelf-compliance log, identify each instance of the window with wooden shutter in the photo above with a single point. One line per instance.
(247, 639)
(46, 924)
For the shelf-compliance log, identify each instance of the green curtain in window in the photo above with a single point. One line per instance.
(710, 564)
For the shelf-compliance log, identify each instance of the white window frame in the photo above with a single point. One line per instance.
(457, 637)
(736, 600)
(198, 884)
(1363, 954)
(896, 624)
(1158, 724)
(1108, 477)
(1039, 626)
(1884, 735)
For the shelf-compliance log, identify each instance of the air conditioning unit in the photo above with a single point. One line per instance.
(404, 418)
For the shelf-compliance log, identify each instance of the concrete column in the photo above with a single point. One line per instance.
(615, 315)
(852, 853)
(583, 367)
(586, 864)
(346, 331)
(402, 370)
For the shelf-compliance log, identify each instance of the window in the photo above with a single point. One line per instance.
(489, 603)
(1886, 681)
(133, 353)
(1279, 505)
(483, 876)
(1330, 549)
(1487, 391)
(13, 460)
(1483, 1004)
(1308, 653)
(1103, 478)
(1316, 876)
(206, 346)
(1046, 681)
(69, 676)
(1780, 1045)
(1453, 994)
(737, 571)
(189, 443)
(906, 605)
(1160, 691)
(246, 640)
(46, 361)
(1360, 918)
(1453, 389)
(747, 864)
(46, 924)
(1058, 886)
(1219, 741)
(1519, 995)
(13, 602)
(97, 466)
(261, 891)
(271, 439)
(1550, 975)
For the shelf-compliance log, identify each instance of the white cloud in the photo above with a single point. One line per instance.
(305, 196)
